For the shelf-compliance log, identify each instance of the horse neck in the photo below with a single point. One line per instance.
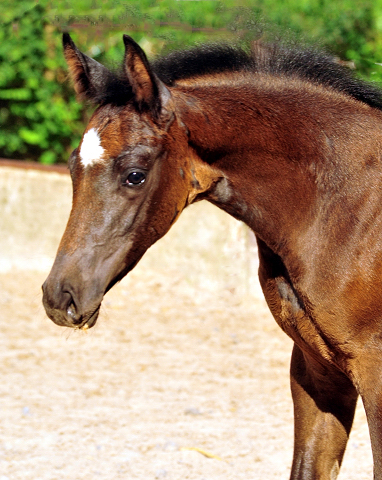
(259, 143)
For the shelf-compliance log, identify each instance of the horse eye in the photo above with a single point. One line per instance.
(135, 178)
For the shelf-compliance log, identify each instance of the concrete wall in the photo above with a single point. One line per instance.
(206, 247)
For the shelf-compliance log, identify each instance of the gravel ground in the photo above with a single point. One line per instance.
(171, 383)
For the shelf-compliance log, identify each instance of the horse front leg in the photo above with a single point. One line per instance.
(366, 372)
(373, 409)
(324, 398)
(324, 404)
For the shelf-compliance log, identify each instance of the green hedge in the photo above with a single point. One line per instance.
(40, 118)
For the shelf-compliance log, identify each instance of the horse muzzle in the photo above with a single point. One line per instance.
(64, 307)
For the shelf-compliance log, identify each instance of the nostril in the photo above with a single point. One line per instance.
(70, 307)
(71, 312)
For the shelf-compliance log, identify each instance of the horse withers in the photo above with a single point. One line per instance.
(288, 142)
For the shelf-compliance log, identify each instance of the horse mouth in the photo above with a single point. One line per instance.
(89, 321)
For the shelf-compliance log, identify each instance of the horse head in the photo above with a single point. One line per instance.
(133, 173)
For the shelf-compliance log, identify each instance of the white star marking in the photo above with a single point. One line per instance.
(91, 150)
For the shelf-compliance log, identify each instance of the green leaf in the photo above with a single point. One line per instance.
(48, 157)
(31, 136)
(18, 94)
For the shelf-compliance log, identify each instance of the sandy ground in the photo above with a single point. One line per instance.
(171, 383)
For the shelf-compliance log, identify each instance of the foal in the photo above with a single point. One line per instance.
(286, 141)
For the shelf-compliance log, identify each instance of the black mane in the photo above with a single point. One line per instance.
(307, 64)
(199, 61)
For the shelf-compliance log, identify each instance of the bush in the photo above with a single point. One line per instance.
(38, 111)
(39, 116)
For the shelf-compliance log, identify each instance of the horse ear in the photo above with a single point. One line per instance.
(87, 74)
(149, 92)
